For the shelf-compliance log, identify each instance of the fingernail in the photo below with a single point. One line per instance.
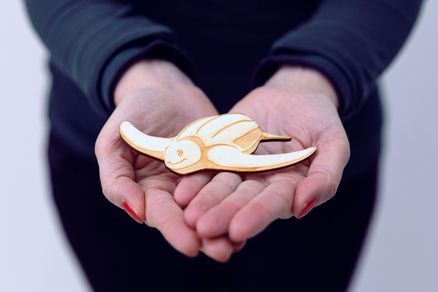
(131, 212)
(307, 207)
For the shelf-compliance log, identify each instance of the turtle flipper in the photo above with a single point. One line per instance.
(149, 145)
(230, 158)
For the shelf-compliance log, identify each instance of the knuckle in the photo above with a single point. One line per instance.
(283, 203)
(223, 255)
(158, 203)
(263, 91)
(249, 186)
(105, 191)
(187, 247)
(205, 200)
(344, 147)
(111, 189)
(164, 224)
(233, 205)
(198, 208)
(109, 193)
(98, 146)
(332, 189)
(227, 178)
(330, 183)
(197, 180)
(346, 150)
(285, 207)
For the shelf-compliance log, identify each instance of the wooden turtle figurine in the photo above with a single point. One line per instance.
(221, 142)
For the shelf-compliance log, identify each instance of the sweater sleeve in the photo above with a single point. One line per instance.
(93, 41)
(350, 41)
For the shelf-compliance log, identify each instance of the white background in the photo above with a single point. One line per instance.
(402, 249)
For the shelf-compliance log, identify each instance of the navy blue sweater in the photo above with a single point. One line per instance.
(227, 47)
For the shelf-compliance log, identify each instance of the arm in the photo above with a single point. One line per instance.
(350, 42)
(111, 53)
(93, 42)
(106, 48)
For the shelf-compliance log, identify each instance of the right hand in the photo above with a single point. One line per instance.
(159, 100)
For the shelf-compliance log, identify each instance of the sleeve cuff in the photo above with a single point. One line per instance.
(334, 74)
(160, 48)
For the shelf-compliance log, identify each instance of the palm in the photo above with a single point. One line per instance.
(250, 202)
(142, 182)
(293, 122)
(149, 172)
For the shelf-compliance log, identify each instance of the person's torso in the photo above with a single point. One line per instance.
(226, 40)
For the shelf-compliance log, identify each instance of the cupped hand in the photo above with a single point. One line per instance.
(296, 102)
(159, 100)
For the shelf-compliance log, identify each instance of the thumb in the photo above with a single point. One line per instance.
(323, 178)
(118, 179)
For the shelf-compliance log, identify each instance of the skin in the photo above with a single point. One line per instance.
(147, 92)
(217, 212)
(298, 102)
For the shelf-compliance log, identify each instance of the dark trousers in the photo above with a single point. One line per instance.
(317, 253)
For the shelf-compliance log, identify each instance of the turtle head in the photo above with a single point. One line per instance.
(182, 154)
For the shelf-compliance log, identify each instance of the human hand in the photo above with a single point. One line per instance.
(159, 100)
(295, 102)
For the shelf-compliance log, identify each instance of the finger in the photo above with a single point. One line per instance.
(272, 203)
(215, 222)
(222, 185)
(164, 214)
(220, 249)
(323, 177)
(190, 186)
(117, 179)
(238, 246)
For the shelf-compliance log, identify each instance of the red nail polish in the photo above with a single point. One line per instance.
(131, 212)
(307, 207)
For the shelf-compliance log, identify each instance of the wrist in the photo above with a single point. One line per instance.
(303, 79)
(149, 73)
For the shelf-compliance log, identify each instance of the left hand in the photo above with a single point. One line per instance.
(296, 102)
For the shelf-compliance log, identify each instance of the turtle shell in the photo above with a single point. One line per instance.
(235, 130)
